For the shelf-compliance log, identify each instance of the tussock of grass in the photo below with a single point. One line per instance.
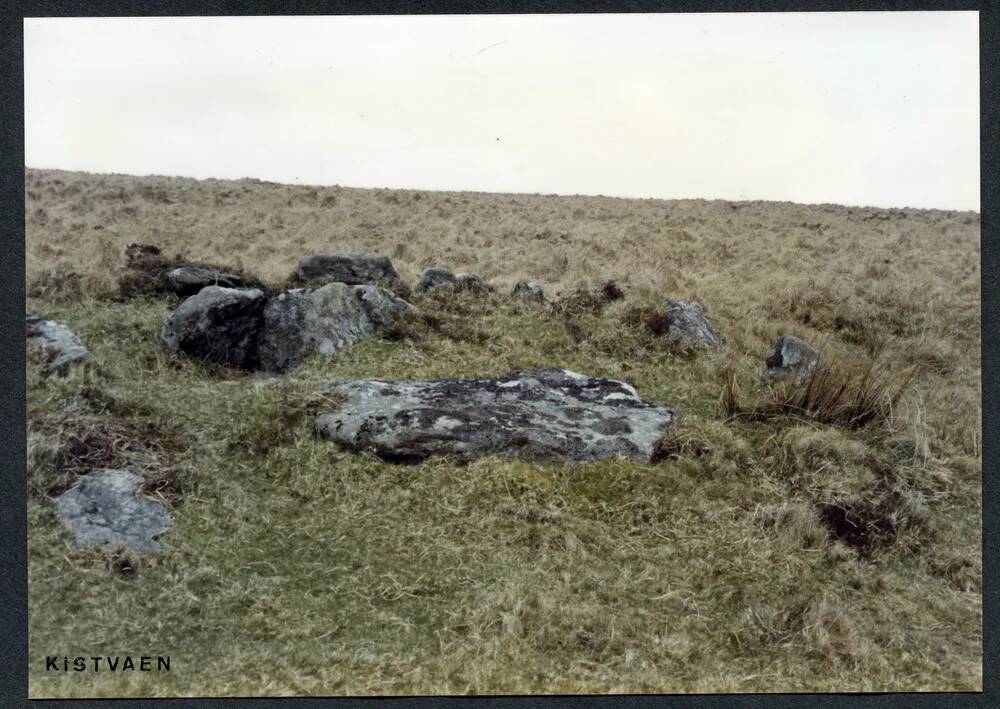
(852, 397)
(587, 301)
(63, 446)
(657, 322)
(796, 521)
(677, 444)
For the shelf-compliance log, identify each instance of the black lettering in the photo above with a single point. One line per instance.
(79, 664)
(50, 663)
(144, 664)
(113, 665)
(129, 665)
(163, 663)
(97, 664)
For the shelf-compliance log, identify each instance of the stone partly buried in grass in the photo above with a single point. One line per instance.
(529, 291)
(541, 414)
(436, 277)
(188, 280)
(300, 323)
(688, 325)
(352, 269)
(61, 345)
(103, 508)
(790, 358)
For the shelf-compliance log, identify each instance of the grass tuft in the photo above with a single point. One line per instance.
(852, 397)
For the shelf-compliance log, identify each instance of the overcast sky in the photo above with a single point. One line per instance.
(856, 108)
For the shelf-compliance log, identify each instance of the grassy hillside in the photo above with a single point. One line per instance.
(296, 568)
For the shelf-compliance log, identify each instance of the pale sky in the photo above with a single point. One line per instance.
(856, 108)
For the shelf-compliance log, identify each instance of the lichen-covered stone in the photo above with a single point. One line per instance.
(299, 323)
(61, 345)
(688, 325)
(352, 269)
(790, 358)
(217, 325)
(542, 414)
(102, 508)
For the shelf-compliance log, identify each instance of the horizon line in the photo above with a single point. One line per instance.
(250, 178)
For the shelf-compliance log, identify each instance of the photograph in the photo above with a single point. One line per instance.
(503, 354)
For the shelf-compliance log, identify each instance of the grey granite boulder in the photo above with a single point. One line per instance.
(541, 414)
(435, 277)
(299, 323)
(102, 508)
(188, 280)
(790, 358)
(689, 326)
(352, 269)
(61, 345)
(218, 325)
(529, 291)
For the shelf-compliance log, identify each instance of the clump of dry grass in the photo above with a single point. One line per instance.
(455, 313)
(797, 521)
(63, 446)
(276, 413)
(59, 282)
(588, 301)
(677, 444)
(869, 312)
(932, 355)
(852, 397)
(656, 322)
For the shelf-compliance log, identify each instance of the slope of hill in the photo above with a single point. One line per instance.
(296, 568)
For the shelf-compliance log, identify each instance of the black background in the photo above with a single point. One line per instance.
(13, 557)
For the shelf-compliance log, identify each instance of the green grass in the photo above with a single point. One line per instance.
(296, 568)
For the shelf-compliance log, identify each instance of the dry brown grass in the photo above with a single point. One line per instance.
(689, 248)
(850, 396)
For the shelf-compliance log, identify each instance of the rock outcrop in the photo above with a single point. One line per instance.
(529, 291)
(299, 323)
(689, 326)
(542, 414)
(352, 269)
(243, 328)
(790, 358)
(218, 325)
(61, 345)
(102, 508)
